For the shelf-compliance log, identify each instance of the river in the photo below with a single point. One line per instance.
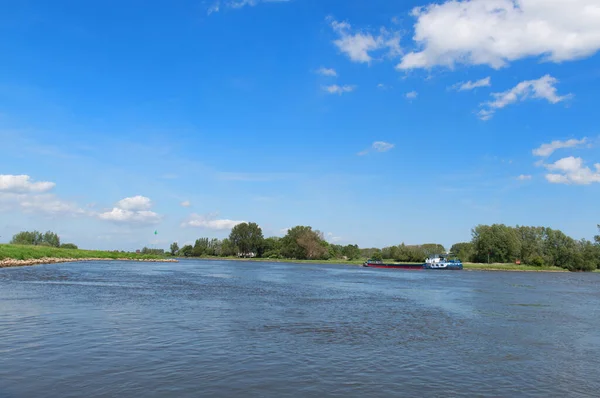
(233, 329)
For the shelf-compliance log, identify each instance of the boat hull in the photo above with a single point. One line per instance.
(415, 267)
(447, 266)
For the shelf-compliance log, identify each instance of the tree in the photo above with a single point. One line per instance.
(68, 246)
(248, 239)
(499, 242)
(432, 248)
(464, 251)
(597, 237)
(36, 238)
(351, 252)
(186, 251)
(174, 248)
(51, 239)
(377, 255)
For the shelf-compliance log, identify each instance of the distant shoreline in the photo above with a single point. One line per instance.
(10, 263)
(358, 263)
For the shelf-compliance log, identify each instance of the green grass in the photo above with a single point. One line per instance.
(510, 267)
(19, 252)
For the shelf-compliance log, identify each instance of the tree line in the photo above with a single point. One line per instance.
(497, 243)
(538, 246)
(36, 238)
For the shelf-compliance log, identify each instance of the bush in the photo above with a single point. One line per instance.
(68, 246)
(537, 261)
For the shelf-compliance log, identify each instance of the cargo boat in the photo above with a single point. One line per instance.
(437, 261)
(380, 264)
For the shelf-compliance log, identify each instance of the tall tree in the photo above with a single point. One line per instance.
(174, 248)
(247, 238)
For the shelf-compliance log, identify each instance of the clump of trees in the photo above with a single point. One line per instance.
(538, 246)
(36, 238)
(247, 240)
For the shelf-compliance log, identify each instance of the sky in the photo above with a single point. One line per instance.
(376, 122)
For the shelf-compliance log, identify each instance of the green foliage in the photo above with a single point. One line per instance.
(537, 246)
(248, 239)
(36, 238)
(351, 252)
(174, 248)
(410, 254)
(537, 261)
(377, 255)
(68, 246)
(432, 248)
(186, 251)
(302, 243)
(154, 252)
(26, 252)
(464, 251)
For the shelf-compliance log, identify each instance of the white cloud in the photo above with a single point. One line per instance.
(19, 192)
(335, 89)
(130, 217)
(235, 4)
(135, 203)
(327, 72)
(524, 177)
(497, 32)
(546, 150)
(412, 95)
(382, 86)
(358, 46)
(572, 170)
(208, 222)
(134, 210)
(378, 146)
(464, 86)
(542, 88)
(332, 238)
(23, 184)
(186, 203)
(48, 204)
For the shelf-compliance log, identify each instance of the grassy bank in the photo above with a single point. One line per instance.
(18, 252)
(511, 267)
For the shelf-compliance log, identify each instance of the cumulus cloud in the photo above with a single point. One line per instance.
(378, 146)
(524, 177)
(20, 192)
(23, 184)
(497, 32)
(464, 86)
(546, 150)
(130, 217)
(335, 89)
(209, 222)
(186, 203)
(48, 204)
(360, 46)
(571, 170)
(133, 210)
(327, 72)
(412, 95)
(135, 203)
(542, 88)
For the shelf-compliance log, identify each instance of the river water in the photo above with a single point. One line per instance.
(231, 329)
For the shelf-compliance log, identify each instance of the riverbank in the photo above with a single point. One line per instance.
(358, 263)
(19, 255)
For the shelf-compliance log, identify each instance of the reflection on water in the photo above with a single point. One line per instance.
(200, 328)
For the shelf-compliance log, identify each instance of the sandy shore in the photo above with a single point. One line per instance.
(9, 262)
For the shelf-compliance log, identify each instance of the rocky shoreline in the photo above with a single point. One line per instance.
(10, 262)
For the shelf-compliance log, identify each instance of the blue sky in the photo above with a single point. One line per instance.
(376, 122)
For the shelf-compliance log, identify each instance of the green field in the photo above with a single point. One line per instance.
(18, 252)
